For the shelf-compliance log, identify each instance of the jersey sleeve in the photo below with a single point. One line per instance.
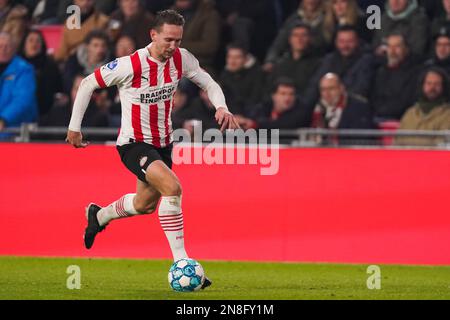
(193, 71)
(115, 73)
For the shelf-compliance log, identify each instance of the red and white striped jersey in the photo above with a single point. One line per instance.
(146, 89)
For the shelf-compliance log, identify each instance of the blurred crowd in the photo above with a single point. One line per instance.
(281, 63)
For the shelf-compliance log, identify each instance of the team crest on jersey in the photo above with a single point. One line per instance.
(112, 65)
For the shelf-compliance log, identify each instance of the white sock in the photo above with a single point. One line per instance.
(171, 219)
(121, 208)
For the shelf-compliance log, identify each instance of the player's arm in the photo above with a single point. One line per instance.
(84, 94)
(114, 73)
(193, 71)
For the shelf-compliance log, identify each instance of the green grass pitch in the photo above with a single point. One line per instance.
(45, 278)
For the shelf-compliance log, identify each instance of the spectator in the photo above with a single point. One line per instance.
(131, 19)
(340, 13)
(282, 111)
(18, 102)
(125, 46)
(311, 13)
(395, 81)
(299, 64)
(91, 19)
(13, 19)
(441, 23)
(48, 77)
(96, 114)
(441, 55)
(431, 112)
(407, 18)
(91, 55)
(349, 61)
(337, 109)
(202, 32)
(242, 80)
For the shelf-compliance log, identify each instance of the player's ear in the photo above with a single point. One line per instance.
(153, 34)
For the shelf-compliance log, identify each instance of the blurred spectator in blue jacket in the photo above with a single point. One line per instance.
(48, 77)
(18, 101)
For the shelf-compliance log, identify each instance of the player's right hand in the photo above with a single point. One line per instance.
(76, 139)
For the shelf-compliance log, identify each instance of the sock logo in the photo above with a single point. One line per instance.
(179, 238)
(174, 202)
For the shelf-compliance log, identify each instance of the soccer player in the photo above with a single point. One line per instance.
(147, 81)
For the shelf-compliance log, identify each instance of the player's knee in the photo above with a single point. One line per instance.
(173, 189)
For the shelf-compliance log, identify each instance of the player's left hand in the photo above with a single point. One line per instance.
(226, 119)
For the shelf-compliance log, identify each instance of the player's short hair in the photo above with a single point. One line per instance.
(168, 17)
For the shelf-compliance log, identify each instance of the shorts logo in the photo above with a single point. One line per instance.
(143, 161)
(112, 65)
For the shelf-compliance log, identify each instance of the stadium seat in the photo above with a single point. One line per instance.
(52, 35)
